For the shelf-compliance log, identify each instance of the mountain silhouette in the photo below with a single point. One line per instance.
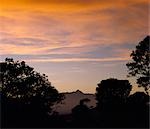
(72, 99)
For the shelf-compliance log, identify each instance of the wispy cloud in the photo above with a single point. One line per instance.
(77, 32)
(78, 60)
(98, 23)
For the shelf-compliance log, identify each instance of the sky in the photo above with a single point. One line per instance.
(77, 43)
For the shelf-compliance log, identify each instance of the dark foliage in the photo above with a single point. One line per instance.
(140, 67)
(27, 96)
(138, 110)
(119, 109)
(81, 114)
(112, 91)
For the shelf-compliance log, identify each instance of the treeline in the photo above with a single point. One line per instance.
(27, 98)
(116, 107)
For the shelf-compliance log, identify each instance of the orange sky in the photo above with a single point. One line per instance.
(77, 34)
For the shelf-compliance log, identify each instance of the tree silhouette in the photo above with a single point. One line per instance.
(83, 101)
(138, 108)
(25, 93)
(117, 108)
(140, 67)
(81, 114)
(139, 98)
(111, 96)
(112, 91)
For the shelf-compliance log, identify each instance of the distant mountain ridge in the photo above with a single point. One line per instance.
(77, 92)
(72, 99)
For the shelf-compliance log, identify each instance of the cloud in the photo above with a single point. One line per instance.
(24, 41)
(91, 27)
(78, 60)
(83, 40)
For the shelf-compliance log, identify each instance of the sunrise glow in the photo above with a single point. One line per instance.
(77, 43)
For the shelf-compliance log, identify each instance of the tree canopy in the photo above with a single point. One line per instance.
(139, 66)
(112, 91)
(19, 81)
